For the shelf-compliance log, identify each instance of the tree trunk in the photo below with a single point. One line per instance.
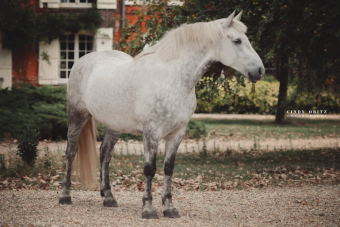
(282, 70)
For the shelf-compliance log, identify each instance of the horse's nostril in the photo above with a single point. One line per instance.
(260, 71)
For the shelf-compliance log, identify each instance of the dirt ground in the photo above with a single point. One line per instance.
(296, 206)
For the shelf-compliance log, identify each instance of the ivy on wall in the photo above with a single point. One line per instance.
(21, 26)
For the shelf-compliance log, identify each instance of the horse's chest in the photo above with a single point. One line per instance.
(172, 110)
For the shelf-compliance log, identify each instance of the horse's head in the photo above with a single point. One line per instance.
(236, 51)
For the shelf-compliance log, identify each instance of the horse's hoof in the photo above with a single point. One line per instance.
(110, 202)
(171, 213)
(149, 215)
(102, 193)
(65, 200)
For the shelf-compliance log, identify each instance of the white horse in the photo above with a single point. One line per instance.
(152, 94)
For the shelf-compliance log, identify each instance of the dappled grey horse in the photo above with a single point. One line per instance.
(152, 94)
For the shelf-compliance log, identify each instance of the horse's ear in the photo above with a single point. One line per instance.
(227, 22)
(238, 17)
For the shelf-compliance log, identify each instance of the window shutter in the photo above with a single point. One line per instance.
(107, 4)
(5, 68)
(49, 63)
(104, 39)
(52, 4)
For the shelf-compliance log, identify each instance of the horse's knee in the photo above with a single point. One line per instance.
(150, 169)
(169, 168)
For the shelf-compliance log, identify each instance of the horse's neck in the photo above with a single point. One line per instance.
(194, 66)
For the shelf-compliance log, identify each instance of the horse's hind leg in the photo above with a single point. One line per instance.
(110, 139)
(77, 120)
(171, 145)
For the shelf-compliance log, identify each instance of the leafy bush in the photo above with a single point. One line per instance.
(196, 129)
(2, 162)
(232, 98)
(28, 142)
(42, 108)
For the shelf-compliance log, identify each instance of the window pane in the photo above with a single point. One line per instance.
(70, 55)
(63, 0)
(68, 75)
(89, 38)
(71, 46)
(72, 1)
(89, 46)
(62, 55)
(81, 54)
(63, 65)
(63, 37)
(82, 37)
(62, 74)
(81, 46)
(71, 38)
(90, 1)
(62, 46)
(70, 64)
(82, 1)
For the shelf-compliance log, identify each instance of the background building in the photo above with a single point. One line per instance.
(28, 64)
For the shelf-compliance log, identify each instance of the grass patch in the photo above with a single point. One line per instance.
(251, 169)
(266, 129)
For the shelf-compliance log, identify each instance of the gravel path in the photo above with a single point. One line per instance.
(289, 206)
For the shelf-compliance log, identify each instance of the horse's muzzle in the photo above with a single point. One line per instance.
(256, 76)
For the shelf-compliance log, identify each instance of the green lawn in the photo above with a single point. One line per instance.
(295, 128)
(250, 169)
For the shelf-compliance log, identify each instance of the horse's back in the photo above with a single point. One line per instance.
(85, 67)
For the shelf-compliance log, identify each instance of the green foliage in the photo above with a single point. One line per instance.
(28, 142)
(43, 108)
(47, 160)
(129, 136)
(2, 162)
(232, 98)
(196, 129)
(21, 26)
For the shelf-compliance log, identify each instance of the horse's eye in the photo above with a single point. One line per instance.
(237, 42)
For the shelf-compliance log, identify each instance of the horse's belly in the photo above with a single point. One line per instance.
(111, 102)
(115, 116)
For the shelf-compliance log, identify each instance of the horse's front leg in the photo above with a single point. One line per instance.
(171, 145)
(110, 139)
(150, 152)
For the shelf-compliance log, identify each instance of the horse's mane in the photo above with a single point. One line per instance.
(194, 36)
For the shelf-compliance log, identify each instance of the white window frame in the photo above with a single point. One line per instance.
(76, 4)
(76, 54)
(141, 2)
(101, 4)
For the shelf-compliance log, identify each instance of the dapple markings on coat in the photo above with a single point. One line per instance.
(152, 94)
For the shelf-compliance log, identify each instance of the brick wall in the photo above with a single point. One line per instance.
(25, 65)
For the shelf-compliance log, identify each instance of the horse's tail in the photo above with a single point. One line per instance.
(85, 161)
